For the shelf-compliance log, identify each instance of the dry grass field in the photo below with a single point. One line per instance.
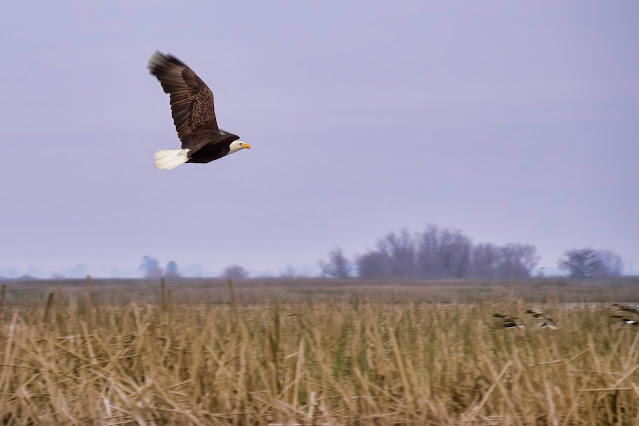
(315, 352)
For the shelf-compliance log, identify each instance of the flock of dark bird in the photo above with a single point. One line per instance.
(544, 321)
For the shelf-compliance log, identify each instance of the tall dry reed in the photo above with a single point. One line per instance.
(72, 360)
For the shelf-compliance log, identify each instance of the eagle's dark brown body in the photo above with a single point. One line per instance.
(193, 110)
(216, 147)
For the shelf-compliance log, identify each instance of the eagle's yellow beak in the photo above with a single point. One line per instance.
(247, 146)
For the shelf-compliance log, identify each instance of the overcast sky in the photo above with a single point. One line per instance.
(512, 121)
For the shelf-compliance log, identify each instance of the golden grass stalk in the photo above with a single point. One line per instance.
(337, 362)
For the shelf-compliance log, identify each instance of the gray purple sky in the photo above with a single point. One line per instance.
(512, 121)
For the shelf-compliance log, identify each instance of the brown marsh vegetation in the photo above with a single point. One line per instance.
(361, 353)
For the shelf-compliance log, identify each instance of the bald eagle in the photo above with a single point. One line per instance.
(193, 114)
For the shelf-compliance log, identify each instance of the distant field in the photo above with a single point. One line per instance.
(215, 291)
(316, 352)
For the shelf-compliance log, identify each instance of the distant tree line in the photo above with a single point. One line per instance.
(435, 253)
(590, 263)
(150, 268)
(444, 253)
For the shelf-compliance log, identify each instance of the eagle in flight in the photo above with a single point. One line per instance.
(193, 114)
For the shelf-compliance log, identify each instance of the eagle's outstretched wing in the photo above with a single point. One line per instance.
(191, 99)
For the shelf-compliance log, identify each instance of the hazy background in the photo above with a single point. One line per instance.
(512, 121)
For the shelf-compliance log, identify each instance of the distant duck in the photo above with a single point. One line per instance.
(510, 322)
(545, 322)
(625, 320)
(535, 314)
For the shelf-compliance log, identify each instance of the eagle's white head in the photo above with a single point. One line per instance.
(237, 145)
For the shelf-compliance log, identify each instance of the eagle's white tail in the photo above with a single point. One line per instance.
(168, 159)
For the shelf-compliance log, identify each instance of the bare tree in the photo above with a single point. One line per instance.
(528, 257)
(337, 265)
(454, 253)
(373, 264)
(171, 270)
(485, 261)
(399, 249)
(589, 263)
(442, 253)
(512, 261)
(150, 267)
(516, 261)
(235, 272)
(427, 256)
